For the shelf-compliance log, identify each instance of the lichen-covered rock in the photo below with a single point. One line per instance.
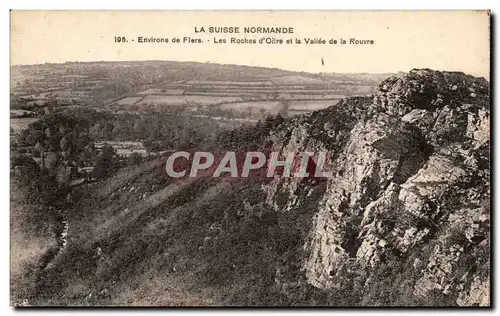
(477, 295)
(410, 188)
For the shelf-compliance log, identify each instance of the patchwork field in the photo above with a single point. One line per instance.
(287, 95)
(215, 90)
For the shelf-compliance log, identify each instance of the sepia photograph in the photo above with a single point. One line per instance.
(250, 159)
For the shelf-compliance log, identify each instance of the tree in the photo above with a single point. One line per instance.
(148, 145)
(52, 161)
(105, 163)
(35, 153)
(135, 159)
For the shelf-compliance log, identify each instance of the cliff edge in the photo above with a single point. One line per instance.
(406, 217)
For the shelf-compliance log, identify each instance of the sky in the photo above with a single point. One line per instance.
(403, 40)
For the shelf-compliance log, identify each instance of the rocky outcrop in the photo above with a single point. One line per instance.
(410, 187)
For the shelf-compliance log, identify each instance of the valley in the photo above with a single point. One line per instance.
(96, 221)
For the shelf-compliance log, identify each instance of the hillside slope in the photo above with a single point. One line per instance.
(404, 221)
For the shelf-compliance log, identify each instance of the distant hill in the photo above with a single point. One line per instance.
(159, 85)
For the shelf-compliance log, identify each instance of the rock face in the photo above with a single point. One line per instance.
(410, 193)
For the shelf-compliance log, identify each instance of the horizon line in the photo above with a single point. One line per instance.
(206, 62)
(255, 66)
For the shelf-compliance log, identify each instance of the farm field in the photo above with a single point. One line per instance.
(290, 80)
(271, 107)
(240, 99)
(229, 83)
(287, 95)
(215, 90)
(128, 100)
(311, 105)
(186, 99)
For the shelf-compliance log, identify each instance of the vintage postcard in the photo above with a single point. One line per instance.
(250, 158)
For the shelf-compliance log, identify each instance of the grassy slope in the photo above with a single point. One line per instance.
(138, 238)
(32, 238)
